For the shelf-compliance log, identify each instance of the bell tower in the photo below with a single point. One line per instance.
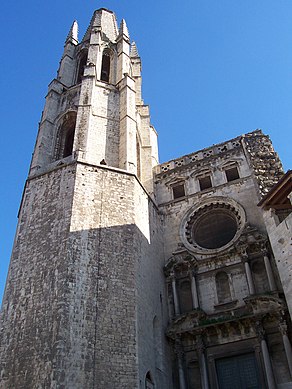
(84, 298)
(94, 111)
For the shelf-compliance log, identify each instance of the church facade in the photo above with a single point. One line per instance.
(127, 273)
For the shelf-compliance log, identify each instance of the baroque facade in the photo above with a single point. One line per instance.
(127, 273)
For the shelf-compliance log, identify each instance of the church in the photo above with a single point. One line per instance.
(131, 274)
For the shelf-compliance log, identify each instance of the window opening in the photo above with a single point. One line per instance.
(214, 229)
(232, 174)
(237, 372)
(178, 191)
(105, 67)
(69, 140)
(66, 134)
(205, 182)
(214, 225)
(82, 64)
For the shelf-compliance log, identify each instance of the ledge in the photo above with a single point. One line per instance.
(226, 305)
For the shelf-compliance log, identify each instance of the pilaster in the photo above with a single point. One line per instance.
(123, 48)
(128, 152)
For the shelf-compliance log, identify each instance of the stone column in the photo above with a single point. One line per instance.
(194, 291)
(270, 274)
(249, 278)
(181, 373)
(287, 345)
(202, 363)
(182, 383)
(175, 296)
(266, 357)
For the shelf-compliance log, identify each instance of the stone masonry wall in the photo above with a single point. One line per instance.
(103, 134)
(103, 241)
(126, 295)
(266, 165)
(153, 352)
(32, 318)
(78, 274)
(281, 242)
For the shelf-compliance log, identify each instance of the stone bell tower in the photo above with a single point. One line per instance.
(84, 299)
(94, 111)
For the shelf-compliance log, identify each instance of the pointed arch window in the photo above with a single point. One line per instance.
(81, 65)
(66, 134)
(105, 66)
(223, 287)
(69, 139)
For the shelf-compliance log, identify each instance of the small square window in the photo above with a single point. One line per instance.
(232, 174)
(178, 191)
(205, 182)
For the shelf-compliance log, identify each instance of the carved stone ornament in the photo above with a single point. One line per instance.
(260, 330)
(261, 304)
(283, 328)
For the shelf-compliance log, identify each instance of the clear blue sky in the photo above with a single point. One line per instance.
(212, 70)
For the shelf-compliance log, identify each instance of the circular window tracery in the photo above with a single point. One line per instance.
(214, 229)
(213, 226)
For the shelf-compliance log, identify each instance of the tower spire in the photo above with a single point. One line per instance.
(134, 51)
(124, 29)
(72, 36)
